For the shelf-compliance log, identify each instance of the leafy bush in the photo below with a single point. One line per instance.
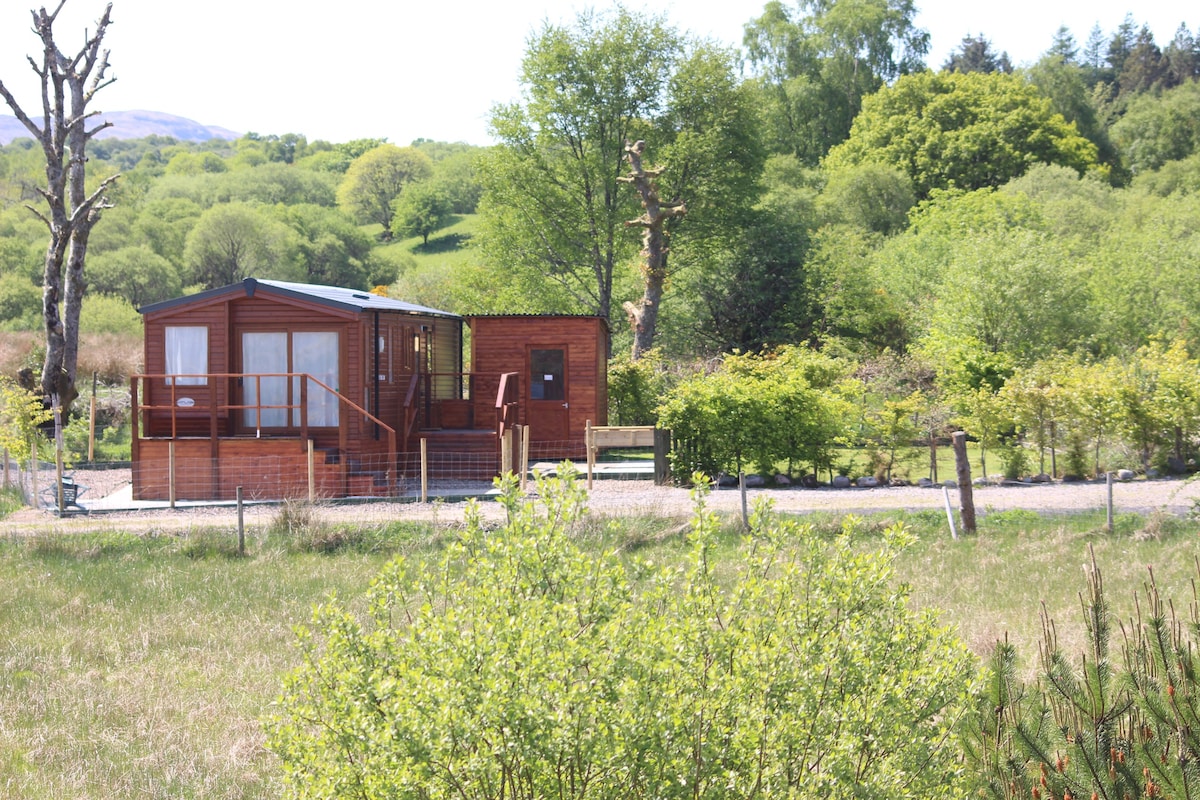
(520, 666)
(788, 405)
(635, 388)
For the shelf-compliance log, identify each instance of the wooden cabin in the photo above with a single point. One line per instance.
(294, 390)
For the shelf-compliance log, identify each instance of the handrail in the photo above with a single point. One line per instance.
(508, 398)
(174, 408)
(410, 409)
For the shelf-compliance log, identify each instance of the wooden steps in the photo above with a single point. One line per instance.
(461, 453)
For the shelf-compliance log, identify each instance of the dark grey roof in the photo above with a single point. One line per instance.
(335, 296)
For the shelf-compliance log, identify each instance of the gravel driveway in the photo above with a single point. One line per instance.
(629, 497)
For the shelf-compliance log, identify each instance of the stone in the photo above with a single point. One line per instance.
(866, 482)
(841, 482)
(925, 483)
(755, 481)
(782, 480)
(1124, 475)
(1042, 478)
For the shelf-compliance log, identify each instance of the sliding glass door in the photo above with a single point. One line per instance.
(269, 354)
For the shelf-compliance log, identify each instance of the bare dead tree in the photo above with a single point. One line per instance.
(643, 315)
(68, 86)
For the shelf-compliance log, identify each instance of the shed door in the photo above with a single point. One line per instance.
(549, 415)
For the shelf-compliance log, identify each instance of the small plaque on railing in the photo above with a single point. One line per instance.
(185, 402)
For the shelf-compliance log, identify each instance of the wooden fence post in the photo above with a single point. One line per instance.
(241, 524)
(312, 482)
(966, 498)
(1109, 505)
(524, 456)
(506, 452)
(662, 449)
(590, 446)
(424, 470)
(171, 472)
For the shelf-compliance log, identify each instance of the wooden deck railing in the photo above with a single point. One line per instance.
(214, 410)
(508, 402)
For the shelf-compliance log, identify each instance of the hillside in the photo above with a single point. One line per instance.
(135, 125)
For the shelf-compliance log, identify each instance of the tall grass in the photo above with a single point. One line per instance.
(141, 666)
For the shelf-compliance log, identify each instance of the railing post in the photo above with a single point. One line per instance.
(304, 408)
(171, 472)
(506, 443)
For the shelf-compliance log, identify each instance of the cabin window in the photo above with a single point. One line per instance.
(187, 355)
(546, 375)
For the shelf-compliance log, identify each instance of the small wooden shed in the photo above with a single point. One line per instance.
(563, 361)
(290, 390)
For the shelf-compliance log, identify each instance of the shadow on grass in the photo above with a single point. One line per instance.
(446, 243)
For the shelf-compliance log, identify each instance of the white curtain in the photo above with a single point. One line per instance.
(264, 353)
(316, 353)
(187, 354)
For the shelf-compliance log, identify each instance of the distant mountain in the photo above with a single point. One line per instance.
(134, 125)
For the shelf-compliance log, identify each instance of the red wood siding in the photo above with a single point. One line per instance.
(501, 344)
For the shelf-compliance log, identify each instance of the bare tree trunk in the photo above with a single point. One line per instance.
(643, 315)
(71, 213)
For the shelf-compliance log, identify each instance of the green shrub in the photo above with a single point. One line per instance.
(521, 666)
(635, 388)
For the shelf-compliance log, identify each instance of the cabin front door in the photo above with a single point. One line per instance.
(548, 416)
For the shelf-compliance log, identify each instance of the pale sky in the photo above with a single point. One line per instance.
(401, 69)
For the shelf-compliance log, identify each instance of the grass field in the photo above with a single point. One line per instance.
(143, 666)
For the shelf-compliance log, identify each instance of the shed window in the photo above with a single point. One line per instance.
(187, 355)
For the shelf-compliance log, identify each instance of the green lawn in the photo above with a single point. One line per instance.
(142, 666)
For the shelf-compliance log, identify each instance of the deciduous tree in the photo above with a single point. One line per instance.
(964, 131)
(376, 178)
(552, 206)
(818, 59)
(68, 85)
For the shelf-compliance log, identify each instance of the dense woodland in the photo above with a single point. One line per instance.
(938, 232)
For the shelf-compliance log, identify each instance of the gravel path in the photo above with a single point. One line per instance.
(641, 498)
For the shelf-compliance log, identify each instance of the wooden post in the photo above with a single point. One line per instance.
(745, 502)
(424, 470)
(589, 444)
(241, 524)
(662, 449)
(171, 472)
(524, 456)
(506, 451)
(966, 498)
(58, 453)
(312, 482)
(92, 421)
(6, 483)
(33, 469)
(1109, 481)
